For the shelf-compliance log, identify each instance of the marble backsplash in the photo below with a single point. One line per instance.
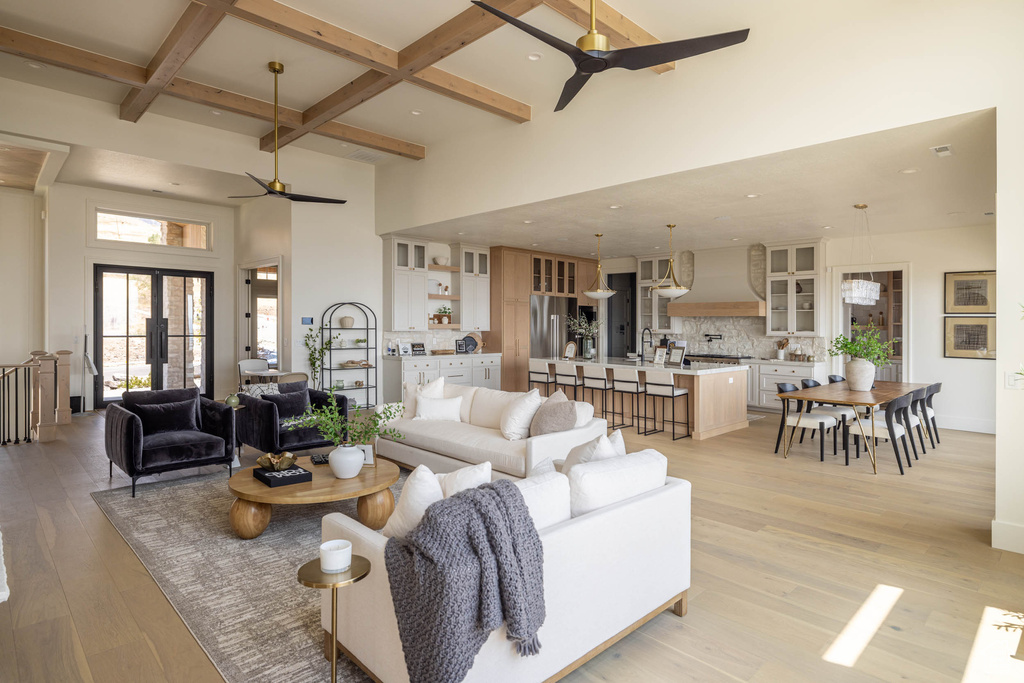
(742, 336)
(433, 339)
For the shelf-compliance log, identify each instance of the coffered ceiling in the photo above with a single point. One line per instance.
(392, 76)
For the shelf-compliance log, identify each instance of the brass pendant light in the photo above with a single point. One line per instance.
(599, 288)
(669, 286)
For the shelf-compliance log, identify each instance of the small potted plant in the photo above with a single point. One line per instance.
(360, 343)
(346, 460)
(866, 351)
(316, 349)
(443, 315)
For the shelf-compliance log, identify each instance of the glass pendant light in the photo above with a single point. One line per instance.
(599, 288)
(669, 286)
(857, 290)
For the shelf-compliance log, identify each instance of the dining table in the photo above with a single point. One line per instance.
(840, 394)
(268, 374)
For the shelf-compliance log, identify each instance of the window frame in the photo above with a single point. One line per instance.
(94, 240)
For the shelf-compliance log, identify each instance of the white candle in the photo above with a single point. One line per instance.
(335, 557)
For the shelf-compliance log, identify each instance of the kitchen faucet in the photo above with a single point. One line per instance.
(646, 331)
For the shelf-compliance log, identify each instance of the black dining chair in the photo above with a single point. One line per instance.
(793, 418)
(895, 423)
(833, 379)
(929, 409)
(840, 413)
(916, 415)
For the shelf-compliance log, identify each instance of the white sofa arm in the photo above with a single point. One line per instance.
(557, 445)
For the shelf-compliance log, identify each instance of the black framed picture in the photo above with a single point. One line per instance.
(460, 346)
(971, 292)
(419, 349)
(970, 337)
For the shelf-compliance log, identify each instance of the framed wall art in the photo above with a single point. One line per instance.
(970, 337)
(972, 292)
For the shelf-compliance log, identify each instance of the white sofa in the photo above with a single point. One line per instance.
(605, 573)
(446, 446)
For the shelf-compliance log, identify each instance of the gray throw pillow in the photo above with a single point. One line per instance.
(557, 414)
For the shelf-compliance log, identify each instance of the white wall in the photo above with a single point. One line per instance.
(21, 324)
(70, 261)
(968, 398)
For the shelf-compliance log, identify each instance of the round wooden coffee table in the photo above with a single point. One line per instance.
(250, 513)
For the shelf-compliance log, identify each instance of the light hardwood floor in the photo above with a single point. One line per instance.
(784, 553)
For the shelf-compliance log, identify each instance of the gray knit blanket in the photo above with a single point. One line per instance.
(474, 561)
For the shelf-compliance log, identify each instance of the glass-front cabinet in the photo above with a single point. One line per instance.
(793, 279)
(409, 255)
(543, 274)
(651, 268)
(654, 313)
(565, 277)
(793, 260)
(476, 261)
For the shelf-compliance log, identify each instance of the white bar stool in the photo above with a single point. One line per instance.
(627, 381)
(567, 376)
(540, 373)
(661, 384)
(595, 378)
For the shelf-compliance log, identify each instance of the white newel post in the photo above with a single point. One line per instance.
(46, 428)
(34, 418)
(63, 387)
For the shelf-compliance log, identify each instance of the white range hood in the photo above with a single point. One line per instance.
(721, 286)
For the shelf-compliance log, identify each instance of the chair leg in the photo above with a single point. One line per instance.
(821, 441)
(111, 469)
(907, 450)
(846, 441)
(935, 426)
(896, 448)
(782, 430)
(802, 435)
(835, 439)
(920, 435)
(134, 479)
(928, 426)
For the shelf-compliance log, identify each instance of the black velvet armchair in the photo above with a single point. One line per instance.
(259, 423)
(160, 431)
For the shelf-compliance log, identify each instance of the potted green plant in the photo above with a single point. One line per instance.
(866, 351)
(444, 314)
(587, 329)
(316, 348)
(360, 343)
(346, 460)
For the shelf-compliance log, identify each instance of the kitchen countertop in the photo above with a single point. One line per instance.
(692, 369)
(429, 356)
(773, 361)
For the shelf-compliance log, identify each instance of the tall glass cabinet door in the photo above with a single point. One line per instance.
(804, 309)
(778, 303)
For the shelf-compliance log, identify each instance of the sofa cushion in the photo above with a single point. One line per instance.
(594, 485)
(488, 406)
(547, 497)
(600, 448)
(618, 443)
(557, 414)
(464, 478)
(467, 394)
(584, 413)
(443, 409)
(292, 387)
(177, 416)
(421, 489)
(260, 389)
(465, 442)
(433, 389)
(302, 437)
(131, 399)
(289, 405)
(518, 415)
(169, 448)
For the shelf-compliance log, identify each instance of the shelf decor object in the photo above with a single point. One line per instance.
(340, 363)
(857, 290)
(970, 338)
(972, 292)
(599, 288)
(669, 286)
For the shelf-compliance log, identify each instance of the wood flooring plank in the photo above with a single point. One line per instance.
(103, 619)
(127, 663)
(8, 653)
(50, 651)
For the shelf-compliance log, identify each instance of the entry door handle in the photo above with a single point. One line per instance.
(163, 340)
(149, 341)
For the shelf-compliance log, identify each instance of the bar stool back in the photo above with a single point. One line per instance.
(661, 384)
(540, 373)
(596, 379)
(566, 376)
(627, 381)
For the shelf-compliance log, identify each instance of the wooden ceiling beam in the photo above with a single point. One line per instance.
(620, 30)
(454, 34)
(468, 92)
(192, 28)
(81, 61)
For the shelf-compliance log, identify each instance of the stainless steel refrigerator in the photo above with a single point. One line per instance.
(548, 330)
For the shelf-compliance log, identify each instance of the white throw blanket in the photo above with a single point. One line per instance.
(5, 592)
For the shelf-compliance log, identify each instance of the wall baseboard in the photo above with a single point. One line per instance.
(1008, 536)
(966, 424)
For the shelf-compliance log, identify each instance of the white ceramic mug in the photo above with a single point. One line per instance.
(335, 557)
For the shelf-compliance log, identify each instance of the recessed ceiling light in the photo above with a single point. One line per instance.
(735, 239)
(415, 112)
(535, 244)
(460, 233)
(909, 171)
(535, 56)
(5, 149)
(2, 181)
(826, 227)
(215, 112)
(615, 206)
(657, 247)
(35, 65)
(593, 253)
(753, 196)
(527, 222)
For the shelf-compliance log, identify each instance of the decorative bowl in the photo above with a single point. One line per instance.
(276, 463)
(440, 260)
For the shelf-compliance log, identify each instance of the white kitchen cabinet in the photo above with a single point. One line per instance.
(409, 254)
(475, 303)
(771, 374)
(476, 261)
(793, 259)
(651, 269)
(478, 370)
(408, 301)
(794, 280)
(489, 377)
(653, 313)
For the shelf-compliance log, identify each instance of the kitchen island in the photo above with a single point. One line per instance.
(717, 401)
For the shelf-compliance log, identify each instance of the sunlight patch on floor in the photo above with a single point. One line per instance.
(858, 632)
(998, 650)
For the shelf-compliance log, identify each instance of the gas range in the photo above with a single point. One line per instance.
(724, 358)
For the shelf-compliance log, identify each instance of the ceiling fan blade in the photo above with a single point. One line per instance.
(644, 56)
(568, 48)
(310, 198)
(261, 183)
(572, 88)
(247, 196)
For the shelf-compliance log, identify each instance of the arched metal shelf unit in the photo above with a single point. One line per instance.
(365, 327)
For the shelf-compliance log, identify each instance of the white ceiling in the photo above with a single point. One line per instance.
(801, 191)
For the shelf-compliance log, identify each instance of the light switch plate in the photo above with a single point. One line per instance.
(307, 321)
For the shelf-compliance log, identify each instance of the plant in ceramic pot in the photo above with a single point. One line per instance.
(445, 313)
(866, 351)
(365, 427)
(360, 343)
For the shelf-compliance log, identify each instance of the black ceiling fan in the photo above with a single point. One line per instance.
(276, 188)
(591, 55)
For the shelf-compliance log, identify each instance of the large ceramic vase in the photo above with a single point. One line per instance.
(346, 461)
(860, 374)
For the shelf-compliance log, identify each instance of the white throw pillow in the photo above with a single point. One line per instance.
(584, 413)
(432, 389)
(594, 485)
(600, 448)
(543, 467)
(547, 498)
(446, 409)
(518, 415)
(467, 393)
(420, 490)
(617, 442)
(464, 478)
(488, 406)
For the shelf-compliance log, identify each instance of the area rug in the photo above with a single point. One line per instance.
(240, 599)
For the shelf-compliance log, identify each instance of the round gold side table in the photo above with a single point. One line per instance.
(311, 576)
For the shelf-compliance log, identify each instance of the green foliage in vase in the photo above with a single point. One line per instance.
(360, 427)
(867, 345)
(316, 348)
(445, 310)
(583, 327)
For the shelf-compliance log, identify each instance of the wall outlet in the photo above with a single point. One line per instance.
(730, 380)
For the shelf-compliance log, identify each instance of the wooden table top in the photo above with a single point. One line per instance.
(324, 488)
(841, 394)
